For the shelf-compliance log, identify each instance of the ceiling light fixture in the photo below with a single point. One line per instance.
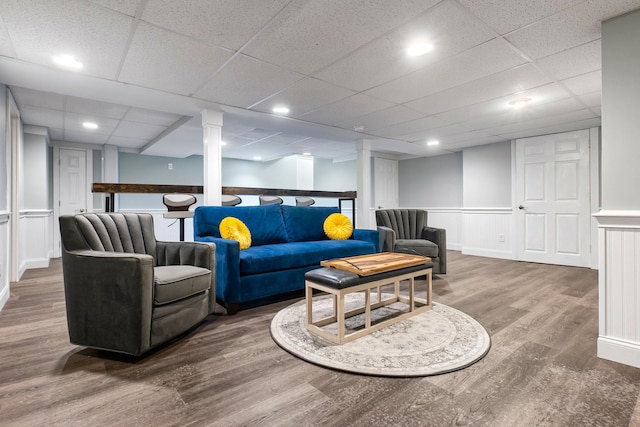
(433, 142)
(222, 143)
(358, 128)
(419, 48)
(68, 62)
(306, 154)
(520, 102)
(257, 158)
(280, 110)
(90, 125)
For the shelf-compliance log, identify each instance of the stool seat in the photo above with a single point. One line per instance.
(178, 214)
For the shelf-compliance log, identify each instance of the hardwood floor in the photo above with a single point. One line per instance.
(542, 369)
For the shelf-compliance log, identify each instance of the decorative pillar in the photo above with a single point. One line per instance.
(363, 202)
(212, 153)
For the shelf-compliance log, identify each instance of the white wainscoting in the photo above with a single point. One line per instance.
(488, 232)
(36, 233)
(4, 258)
(619, 286)
(451, 220)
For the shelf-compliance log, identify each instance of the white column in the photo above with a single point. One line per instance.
(212, 152)
(304, 172)
(363, 202)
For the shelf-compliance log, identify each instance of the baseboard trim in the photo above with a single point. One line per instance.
(619, 351)
(36, 263)
(491, 253)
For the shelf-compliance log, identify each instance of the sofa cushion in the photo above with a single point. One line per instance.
(417, 247)
(305, 223)
(175, 282)
(285, 256)
(264, 222)
(233, 229)
(338, 227)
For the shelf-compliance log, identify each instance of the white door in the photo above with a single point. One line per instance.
(73, 182)
(386, 183)
(552, 190)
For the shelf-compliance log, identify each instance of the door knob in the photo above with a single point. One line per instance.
(521, 207)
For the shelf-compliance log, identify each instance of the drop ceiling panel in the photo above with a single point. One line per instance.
(169, 62)
(546, 122)
(472, 142)
(73, 123)
(496, 85)
(577, 25)
(500, 106)
(38, 99)
(437, 133)
(486, 59)
(507, 15)
(226, 23)
(299, 41)
(159, 118)
(383, 118)
(94, 35)
(304, 96)
(585, 83)
(563, 127)
(126, 142)
(573, 62)
(346, 109)
(138, 130)
(95, 108)
(128, 7)
(422, 124)
(6, 48)
(42, 116)
(246, 81)
(385, 59)
(593, 99)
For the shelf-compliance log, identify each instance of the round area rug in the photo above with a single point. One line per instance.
(437, 341)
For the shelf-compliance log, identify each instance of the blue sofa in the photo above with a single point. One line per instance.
(287, 241)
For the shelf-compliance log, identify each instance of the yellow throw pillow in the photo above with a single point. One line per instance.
(337, 227)
(233, 229)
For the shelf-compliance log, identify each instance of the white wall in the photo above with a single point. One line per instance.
(431, 181)
(487, 176)
(4, 197)
(619, 219)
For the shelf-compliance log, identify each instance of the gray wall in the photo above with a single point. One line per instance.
(431, 181)
(141, 169)
(620, 112)
(487, 176)
(246, 173)
(4, 170)
(330, 176)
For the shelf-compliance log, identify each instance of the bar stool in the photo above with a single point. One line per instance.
(178, 208)
(230, 200)
(270, 200)
(304, 201)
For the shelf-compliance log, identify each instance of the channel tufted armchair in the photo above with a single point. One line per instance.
(126, 292)
(406, 230)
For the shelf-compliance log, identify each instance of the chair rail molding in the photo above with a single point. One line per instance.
(619, 286)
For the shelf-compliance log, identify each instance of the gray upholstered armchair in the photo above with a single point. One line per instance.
(406, 230)
(127, 292)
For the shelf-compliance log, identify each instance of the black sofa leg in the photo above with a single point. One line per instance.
(232, 308)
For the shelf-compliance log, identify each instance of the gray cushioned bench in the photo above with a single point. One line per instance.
(340, 283)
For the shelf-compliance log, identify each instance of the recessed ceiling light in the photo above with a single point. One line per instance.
(358, 128)
(306, 154)
(90, 125)
(520, 102)
(419, 48)
(257, 158)
(280, 110)
(222, 143)
(67, 61)
(433, 142)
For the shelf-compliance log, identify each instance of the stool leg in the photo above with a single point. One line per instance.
(182, 229)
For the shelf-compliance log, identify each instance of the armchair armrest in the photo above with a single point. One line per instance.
(387, 239)
(439, 237)
(198, 254)
(109, 298)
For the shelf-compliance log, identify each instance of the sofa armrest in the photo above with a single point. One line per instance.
(387, 239)
(198, 254)
(368, 236)
(227, 261)
(109, 299)
(439, 237)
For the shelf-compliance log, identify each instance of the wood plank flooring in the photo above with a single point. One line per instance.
(542, 369)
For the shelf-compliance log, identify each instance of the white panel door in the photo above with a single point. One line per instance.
(73, 182)
(552, 189)
(386, 183)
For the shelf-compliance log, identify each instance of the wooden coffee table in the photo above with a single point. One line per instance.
(365, 273)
